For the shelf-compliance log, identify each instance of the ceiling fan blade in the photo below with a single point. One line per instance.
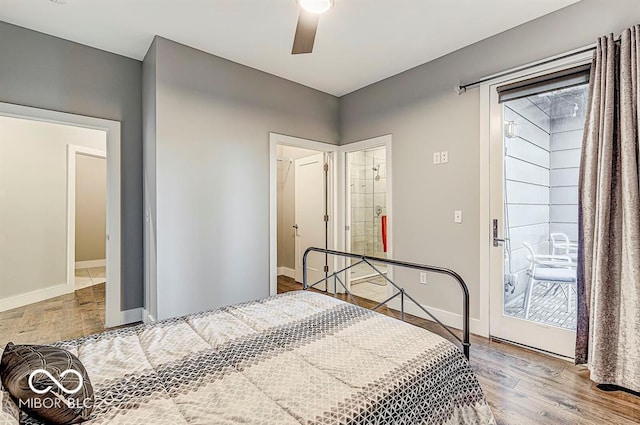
(305, 32)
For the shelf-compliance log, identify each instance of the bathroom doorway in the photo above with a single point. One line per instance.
(367, 218)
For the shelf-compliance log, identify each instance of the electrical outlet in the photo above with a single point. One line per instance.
(457, 216)
(444, 157)
(423, 278)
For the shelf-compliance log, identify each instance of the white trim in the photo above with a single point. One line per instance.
(453, 320)
(489, 321)
(129, 316)
(34, 296)
(147, 318)
(375, 142)
(90, 264)
(72, 152)
(114, 249)
(276, 139)
(86, 284)
(286, 271)
(484, 216)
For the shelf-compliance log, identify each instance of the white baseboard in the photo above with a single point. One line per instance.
(453, 320)
(286, 271)
(90, 263)
(34, 296)
(125, 317)
(86, 285)
(147, 318)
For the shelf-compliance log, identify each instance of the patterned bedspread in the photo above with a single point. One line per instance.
(294, 358)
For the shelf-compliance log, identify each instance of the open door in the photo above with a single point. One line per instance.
(311, 216)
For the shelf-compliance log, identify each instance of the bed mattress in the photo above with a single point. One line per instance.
(295, 358)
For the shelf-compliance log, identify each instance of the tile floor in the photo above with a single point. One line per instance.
(548, 308)
(65, 317)
(361, 271)
(374, 289)
(90, 276)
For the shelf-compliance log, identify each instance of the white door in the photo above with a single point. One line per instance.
(520, 211)
(310, 210)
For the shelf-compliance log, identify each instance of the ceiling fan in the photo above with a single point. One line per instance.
(310, 11)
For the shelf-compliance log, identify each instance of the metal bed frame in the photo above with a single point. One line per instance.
(401, 292)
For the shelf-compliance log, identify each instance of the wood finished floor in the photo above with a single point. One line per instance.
(524, 387)
(65, 317)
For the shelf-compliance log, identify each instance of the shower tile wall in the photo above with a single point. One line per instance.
(367, 193)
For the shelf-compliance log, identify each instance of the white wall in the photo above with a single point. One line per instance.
(91, 208)
(527, 187)
(33, 202)
(566, 148)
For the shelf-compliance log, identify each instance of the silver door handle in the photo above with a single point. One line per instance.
(496, 240)
(295, 226)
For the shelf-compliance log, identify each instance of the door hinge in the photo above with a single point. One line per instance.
(326, 269)
(326, 167)
(326, 218)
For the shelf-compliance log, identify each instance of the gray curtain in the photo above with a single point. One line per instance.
(609, 204)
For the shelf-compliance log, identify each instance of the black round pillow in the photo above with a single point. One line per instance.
(48, 383)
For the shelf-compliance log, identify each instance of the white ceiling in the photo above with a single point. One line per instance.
(358, 42)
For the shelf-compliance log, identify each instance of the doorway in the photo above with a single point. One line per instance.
(303, 209)
(367, 214)
(39, 279)
(87, 218)
(536, 140)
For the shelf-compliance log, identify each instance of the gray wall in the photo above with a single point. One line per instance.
(213, 119)
(50, 73)
(149, 84)
(424, 115)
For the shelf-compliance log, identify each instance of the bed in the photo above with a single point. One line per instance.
(298, 357)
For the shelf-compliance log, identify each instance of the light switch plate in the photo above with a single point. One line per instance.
(457, 216)
(436, 157)
(444, 157)
(423, 278)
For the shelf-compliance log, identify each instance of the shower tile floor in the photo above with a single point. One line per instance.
(547, 308)
(374, 289)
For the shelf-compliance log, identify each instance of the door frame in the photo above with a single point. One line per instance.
(114, 315)
(385, 141)
(487, 133)
(72, 152)
(276, 139)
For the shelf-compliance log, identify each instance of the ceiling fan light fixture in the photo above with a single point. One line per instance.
(316, 6)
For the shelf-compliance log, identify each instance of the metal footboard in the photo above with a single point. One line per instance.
(401, 292)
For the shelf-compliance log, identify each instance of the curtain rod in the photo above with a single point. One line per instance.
(463, 88)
